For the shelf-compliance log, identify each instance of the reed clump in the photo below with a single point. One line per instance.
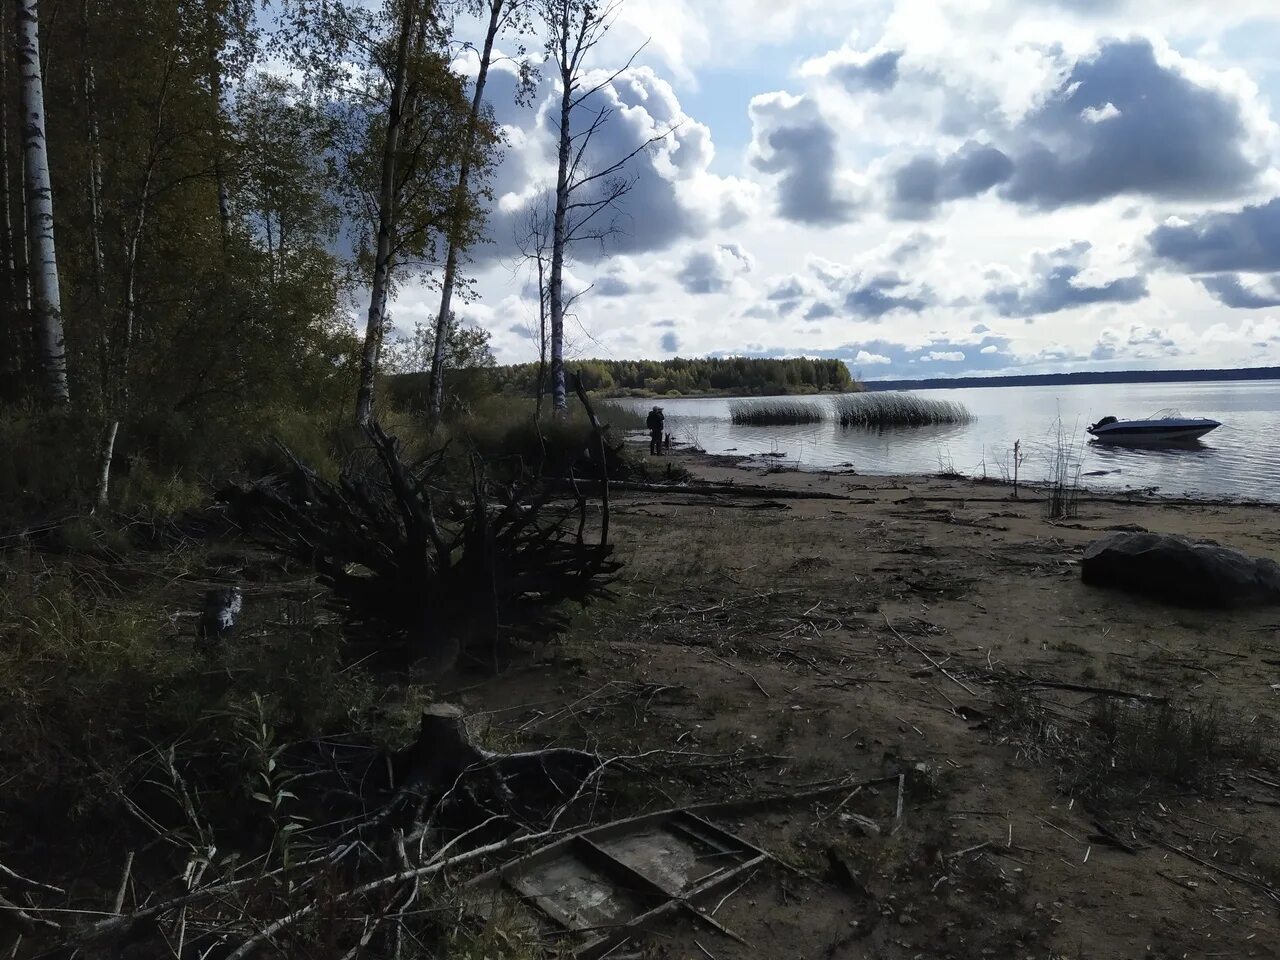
(774, 413)
(876, 411)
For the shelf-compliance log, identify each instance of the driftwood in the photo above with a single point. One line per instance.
(407, 557)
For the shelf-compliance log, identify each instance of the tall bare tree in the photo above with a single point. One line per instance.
(534, 243)
(47, 297)
(584, 190)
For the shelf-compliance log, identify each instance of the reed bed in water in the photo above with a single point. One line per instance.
(889, 409)
(774, 413)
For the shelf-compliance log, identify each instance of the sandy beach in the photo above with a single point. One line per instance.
(936, 628)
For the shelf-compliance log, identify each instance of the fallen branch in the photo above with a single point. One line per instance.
(18, 880)
(939, 667)
(18, 918)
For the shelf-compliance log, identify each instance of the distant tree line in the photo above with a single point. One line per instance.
(681, 376)
(1081, 377)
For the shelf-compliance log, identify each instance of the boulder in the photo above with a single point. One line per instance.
(1179, 570)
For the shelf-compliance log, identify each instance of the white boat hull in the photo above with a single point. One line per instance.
(1153, 431)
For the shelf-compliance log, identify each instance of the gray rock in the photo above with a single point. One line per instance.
(1182, 571)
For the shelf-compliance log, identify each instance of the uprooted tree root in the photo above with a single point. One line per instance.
(451, 573)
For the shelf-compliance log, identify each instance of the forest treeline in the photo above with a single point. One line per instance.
(743, 376)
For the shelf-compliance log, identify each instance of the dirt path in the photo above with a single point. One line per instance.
(771, 643)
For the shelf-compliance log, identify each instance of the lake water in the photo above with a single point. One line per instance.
(1239, 460)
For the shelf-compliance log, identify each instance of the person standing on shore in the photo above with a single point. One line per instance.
(655, 423)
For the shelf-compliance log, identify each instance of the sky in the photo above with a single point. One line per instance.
(921, 189)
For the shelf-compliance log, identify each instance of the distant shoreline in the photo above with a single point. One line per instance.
(1083, 377)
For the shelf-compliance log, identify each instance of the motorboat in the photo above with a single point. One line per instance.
(1166, 426)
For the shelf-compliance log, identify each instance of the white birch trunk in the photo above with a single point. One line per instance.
(15, 341)
(559, 234)
(386, 218)
(47, 299)
(436, 400)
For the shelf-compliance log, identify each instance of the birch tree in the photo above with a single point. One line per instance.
(502, 14)
(583, 192)
(38, 189)
(405, 127)
(229, 45)
(387, 197)
(14, 317)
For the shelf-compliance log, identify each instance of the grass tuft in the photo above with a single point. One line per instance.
(1128, 750)
(877, 411)
(774, 413)
(1063, 500)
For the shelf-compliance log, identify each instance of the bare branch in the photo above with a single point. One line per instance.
(612, 77)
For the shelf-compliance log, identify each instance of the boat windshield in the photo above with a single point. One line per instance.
(1168, 413)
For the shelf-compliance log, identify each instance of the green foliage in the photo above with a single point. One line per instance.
(82, 673)
(466, 348)
(47, 462)
(269, 781)
(726, 375)
(98, 665)
(506, 434)
(203, 338)
(468, 364)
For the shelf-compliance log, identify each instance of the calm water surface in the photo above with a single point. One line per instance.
(1241, 459)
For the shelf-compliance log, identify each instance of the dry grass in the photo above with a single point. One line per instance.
(877, 411)
(774, 413)
(1063, 500)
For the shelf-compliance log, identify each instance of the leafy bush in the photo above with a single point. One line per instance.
(504, 433)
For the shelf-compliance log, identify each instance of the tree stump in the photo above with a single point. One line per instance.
(444, 761)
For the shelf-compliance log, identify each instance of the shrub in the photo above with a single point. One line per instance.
(879, 410)
(505, 434)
